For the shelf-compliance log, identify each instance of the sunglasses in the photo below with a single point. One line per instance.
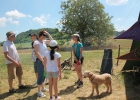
(44, 35)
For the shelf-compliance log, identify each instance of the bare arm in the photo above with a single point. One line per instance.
(45, 63)
(59, 67)
(6, 54)
(50, 37)
(74, 55)
(81, 53)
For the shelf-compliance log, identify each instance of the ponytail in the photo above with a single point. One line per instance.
(32, 44)
(52, 52)
(78, 39)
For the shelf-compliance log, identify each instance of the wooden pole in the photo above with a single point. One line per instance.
(118, 55)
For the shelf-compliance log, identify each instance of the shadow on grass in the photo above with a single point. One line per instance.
(132, 86)
(102, 95)
(33, 97)
(68, 90)
(7, 94)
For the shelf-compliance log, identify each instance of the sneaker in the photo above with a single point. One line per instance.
(51, 98)
(12, 91)
(22, 87)
(45, 90)
(57, 98)
(80, 84)
(76, 83)
(40, 94)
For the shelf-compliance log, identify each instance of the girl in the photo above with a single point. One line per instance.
(78, 56)
(34, 38)
(52, 62)
(40, 49)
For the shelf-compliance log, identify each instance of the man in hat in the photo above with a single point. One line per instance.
(12, 62)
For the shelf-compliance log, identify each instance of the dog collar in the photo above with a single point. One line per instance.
(90, 76)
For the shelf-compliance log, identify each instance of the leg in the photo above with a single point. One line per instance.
(55, 86)
(10, 81)
(76, 69)
(50, 86)
(107, 86)
(110, 85)
(92, 93)
(80, 72)
(11, 75)
(97, 90)
(19, 80)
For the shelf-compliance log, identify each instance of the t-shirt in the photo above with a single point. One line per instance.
(42, 47)
(9, 47)
(52, 65)
(76, 48)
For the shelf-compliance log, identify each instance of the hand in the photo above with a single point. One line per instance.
(60, 77)
(43, 63)
(17, 64)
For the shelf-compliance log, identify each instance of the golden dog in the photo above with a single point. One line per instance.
(97, 80)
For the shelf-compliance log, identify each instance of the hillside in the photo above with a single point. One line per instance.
(23, 37)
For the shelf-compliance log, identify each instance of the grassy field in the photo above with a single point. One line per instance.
(125, 86)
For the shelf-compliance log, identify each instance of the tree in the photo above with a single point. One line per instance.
(88, 18)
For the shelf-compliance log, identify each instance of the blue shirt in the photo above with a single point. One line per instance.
(76, 48)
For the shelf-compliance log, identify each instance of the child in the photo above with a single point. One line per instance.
(52, 62)
(78, 58)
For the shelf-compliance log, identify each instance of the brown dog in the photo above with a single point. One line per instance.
(97, 80)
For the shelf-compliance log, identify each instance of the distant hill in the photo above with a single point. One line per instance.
(118, 33)
(23, 37)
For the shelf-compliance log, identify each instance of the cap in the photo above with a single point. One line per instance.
(53, 43)
(32, 34)
(76, 35)
(9, 34)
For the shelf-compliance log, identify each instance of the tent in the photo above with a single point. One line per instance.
(132, 58)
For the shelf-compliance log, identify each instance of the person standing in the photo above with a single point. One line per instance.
(12, 62)
(78, 58)
(34, 38)
(52, 62)
(40, 50)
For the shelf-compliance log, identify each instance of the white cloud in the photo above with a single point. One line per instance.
(15, 14)
(118, 19)
(58, 22)
(116, 2)
(42, 20)
(29, 15)
(3, 21)
(13, 22)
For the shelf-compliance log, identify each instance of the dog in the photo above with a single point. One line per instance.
(97, 80)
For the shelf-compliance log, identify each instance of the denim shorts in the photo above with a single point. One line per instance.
(35, 67)
(40, 70)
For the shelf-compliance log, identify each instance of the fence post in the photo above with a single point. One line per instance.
(118, 55)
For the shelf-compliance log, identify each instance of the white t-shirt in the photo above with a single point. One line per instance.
(12, 51)
(42, 47)
(52, 65)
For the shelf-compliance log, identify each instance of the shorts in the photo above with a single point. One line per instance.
(52, 75)
(35, 67)
(82, 59)
(40, 70)
(13, 71)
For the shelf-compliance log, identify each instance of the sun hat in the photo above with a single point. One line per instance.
(32, 34)
(53, 43)
(10, 33)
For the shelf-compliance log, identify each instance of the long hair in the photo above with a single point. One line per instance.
(78, 38)
(52, 52)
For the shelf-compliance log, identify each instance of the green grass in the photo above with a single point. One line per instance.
(23, 45)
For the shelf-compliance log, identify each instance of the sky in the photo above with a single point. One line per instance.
(22, 15)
